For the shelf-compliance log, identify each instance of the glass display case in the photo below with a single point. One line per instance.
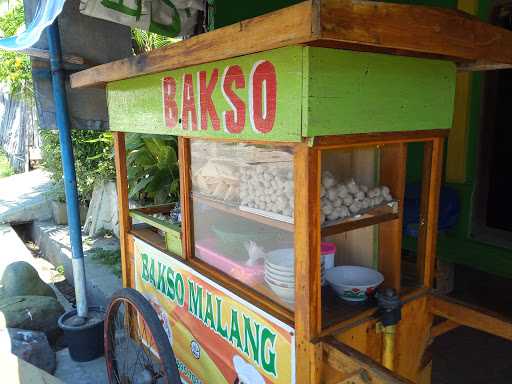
(242, 202)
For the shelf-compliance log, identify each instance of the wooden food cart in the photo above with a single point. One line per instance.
(271, 115)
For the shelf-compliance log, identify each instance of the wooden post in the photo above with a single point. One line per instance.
(122, 202)
(392, 173)
(187, 218)
(308, 320)
(429, 206)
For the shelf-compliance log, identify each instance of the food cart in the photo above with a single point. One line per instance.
(293, 130)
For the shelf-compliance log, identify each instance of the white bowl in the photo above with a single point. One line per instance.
(281, 283)
(285, 293)
(281, 259)
(353, 283)
(286, 280)
(281, 272)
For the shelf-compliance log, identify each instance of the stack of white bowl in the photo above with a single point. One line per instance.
(280, 273)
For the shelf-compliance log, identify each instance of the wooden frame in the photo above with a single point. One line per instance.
(307, 317)
(344, 24)
(122, 201)
(457, 313)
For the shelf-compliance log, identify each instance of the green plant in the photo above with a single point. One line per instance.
(109, 257)
(15, 69)
(145, 41)
(5, 166)
(153, 175)
(93, 158)
(57, 192)
(60, 270)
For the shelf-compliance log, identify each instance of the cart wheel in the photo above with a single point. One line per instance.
(137, 349)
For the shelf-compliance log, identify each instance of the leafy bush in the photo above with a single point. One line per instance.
(94, 160)
(15, 68)
(5, 167)
(108, 257)
(153, 174)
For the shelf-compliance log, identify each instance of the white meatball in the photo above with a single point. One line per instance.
(332, 193)
(355, 207)
(328, 180)
(342, 190)
(327, 209)
(352, 187)
(374, 192)
(359, 196)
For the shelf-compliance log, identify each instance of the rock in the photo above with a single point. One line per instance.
(22, 279)
(31, 346)
(36, 313)
(102, 214)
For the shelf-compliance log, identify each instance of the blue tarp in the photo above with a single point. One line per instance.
(47, 12)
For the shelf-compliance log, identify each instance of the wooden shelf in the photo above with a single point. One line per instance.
(399, 29)
(338, 314)
(247, 215)
(149, 236)
(374, 216)
(336, 310)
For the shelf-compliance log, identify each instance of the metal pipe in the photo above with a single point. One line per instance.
(68, 166)
(388, 346)
(390, 313)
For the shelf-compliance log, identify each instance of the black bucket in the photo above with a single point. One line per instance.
(85, 342)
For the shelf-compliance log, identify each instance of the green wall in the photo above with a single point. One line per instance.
(231, 11)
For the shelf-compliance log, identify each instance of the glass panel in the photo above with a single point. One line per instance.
(243, 214)
(350, 188)
(411, 217)
(153, 190)
(355, 204)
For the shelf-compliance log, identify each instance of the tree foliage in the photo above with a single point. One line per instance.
(94, 159)
(15, 68)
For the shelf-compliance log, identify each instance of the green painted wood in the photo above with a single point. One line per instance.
(154, 222)
(136, 105)
(172, 231)
(319, 92)
(348, 92)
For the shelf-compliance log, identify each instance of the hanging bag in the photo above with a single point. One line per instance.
(170, 18)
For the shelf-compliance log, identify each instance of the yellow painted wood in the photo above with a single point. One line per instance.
(457, 142)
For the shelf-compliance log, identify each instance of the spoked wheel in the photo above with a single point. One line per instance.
(137, 349)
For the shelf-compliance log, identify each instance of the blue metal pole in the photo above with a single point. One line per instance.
(68, 166)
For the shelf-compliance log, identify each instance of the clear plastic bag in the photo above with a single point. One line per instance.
(166, 17)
